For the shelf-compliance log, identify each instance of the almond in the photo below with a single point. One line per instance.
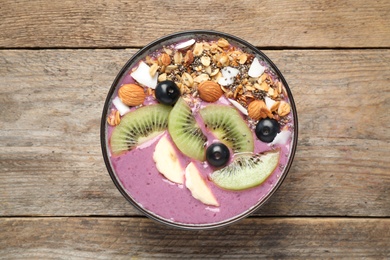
(165, 59)
(209, 91)
(188, 58)
(254, 109)
(131, 94)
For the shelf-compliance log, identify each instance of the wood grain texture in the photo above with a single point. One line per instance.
(51, 163)
(140, 238)
(118, 23)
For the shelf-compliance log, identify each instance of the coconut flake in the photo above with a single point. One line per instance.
(122, 108)
(282, 137)
(142, 76)
(185, 44)
(269, 102)
(256, 69)
(239, 106)
(228, 75)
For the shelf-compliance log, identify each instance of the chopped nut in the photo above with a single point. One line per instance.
(284, 108)
(188, 58)
(264, 86)
(187, 79)
(271, 92)
(170, 68)
(153, 69)
(162, 77)
(264, 113)
(215, 48)
(202, 77)
(280, 86)
(223, 43)
(223, 60)
(208, 70)
(275, 106)
(198, 49)
(168, 51)
(262, 78)
(165, 59)
(238, 89)
(205, 61)
(242, 58)
(217, 76)
(114, 118)
(178, 58)
(214, 72)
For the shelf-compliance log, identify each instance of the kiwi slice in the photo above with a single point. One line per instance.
(139, 126)
(185, 132)
(246, 171)
(229, 127)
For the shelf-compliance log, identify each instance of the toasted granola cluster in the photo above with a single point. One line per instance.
(206, 70)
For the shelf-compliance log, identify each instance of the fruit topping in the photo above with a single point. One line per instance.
(185, 132)
(142, 75)
(167, 162)
(267, 129)
(139, 126)
(256, 69)
(217, 154)
(246, 171)
(209, 91)
(228, 126)
(131, 94)
(167, 92)
(198, 186)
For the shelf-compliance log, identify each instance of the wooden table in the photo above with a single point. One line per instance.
(57, 61)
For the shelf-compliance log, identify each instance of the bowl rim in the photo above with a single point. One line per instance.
(103, 129)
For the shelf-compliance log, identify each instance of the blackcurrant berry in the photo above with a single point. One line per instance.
(167, 92)
(267, 129)
(217, 154)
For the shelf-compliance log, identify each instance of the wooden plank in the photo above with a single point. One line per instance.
(119, 238)
(115, 23)
(50, 158)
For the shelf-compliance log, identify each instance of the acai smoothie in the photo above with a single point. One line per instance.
(199, 129)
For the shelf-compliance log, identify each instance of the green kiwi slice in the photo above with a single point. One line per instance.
(185, 132)
(229, 127)
(246, 171)
(139, 126)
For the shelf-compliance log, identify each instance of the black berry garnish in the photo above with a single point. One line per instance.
(217, 154)
(167, 92)
(267, 129)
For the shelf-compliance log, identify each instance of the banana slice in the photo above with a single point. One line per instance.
(167, 162)
(198, 187)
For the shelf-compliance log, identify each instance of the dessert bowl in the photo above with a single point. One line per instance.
(199, 129)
